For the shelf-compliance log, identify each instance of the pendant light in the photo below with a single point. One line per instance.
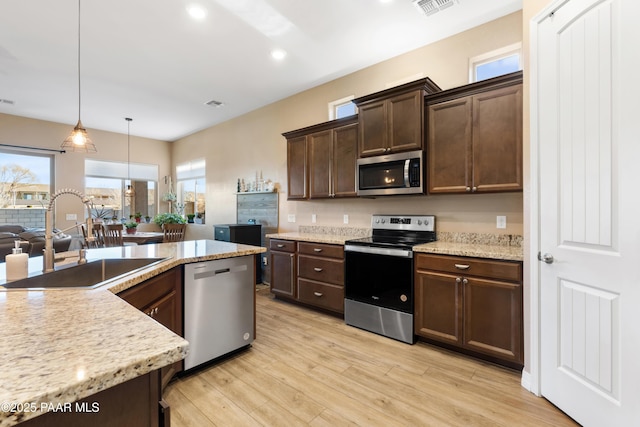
(129, 192)
(78, 140)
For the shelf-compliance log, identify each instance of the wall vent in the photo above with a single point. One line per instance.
(6, 101)
(429, 7)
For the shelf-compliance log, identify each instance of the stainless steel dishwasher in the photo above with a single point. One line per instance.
(218, 308)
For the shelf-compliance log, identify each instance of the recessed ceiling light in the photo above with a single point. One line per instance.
(278, 54)
(196, 11)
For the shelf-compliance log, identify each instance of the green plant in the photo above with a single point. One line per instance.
(130, 224)
(168, 218)
(138, 215)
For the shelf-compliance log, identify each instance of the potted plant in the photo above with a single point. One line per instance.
(138, 216)
(199, 219)
(147, 219)
(168, 218)
(190, 218)
(131, 227)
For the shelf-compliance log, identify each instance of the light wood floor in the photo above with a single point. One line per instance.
(310, 369)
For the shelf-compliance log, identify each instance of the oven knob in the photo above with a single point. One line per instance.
(383, 220)
(426, 222)
(377, 221)
(419, 222)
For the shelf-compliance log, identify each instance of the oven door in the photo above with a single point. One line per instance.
(380, 277)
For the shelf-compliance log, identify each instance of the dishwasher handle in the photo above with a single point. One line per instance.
(213, 273)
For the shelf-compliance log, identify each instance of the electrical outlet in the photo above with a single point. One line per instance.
(291, 218)
(314, 218)
(501, 221)
(345, 219)
(265, 261)
(71, 217)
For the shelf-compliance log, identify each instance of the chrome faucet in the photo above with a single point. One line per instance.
(48, 255)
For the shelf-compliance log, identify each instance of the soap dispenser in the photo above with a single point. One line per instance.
(17, 264)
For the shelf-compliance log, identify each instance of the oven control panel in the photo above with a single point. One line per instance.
(404, 222)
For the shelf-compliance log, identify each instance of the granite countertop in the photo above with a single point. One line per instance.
(494, 246)
(61, 345)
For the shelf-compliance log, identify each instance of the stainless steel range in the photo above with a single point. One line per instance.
(379, 275)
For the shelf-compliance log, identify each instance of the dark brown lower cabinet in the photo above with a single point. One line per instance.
(282, 254)
(161, 298)
(135, 403)
(471, 304)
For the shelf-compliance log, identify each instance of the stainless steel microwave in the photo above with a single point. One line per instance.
(391, 174)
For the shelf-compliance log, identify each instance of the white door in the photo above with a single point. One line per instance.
(586, 123)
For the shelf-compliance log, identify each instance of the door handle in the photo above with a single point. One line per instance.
(547, 257)
(318, 294)
(462, 266)
(318, 269)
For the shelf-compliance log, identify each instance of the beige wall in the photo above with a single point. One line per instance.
(69, 167)
(239, 147)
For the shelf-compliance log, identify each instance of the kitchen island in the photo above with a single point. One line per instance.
(62, 345)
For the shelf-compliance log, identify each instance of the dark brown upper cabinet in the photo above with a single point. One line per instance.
(474, 141)
(391, 121)
(321, 160)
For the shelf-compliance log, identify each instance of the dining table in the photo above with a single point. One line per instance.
(143, 237)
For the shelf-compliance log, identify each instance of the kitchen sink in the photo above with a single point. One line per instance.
(89, 275)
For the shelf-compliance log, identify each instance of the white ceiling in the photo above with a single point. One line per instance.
(149, 60)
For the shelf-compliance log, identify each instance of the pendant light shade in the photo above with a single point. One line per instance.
(129, 192)
(78, 140)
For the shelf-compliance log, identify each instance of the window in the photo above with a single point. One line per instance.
(191, 189)
(496, 63)
(342, 108)
(105, 183)
(25, 179)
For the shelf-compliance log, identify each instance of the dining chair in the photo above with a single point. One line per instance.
(98, 236)
(113, 235)
(173, 232)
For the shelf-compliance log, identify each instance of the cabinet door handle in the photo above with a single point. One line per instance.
(468, 189)
(317, 249)
(318, 294)
(462, 266)
(280, 245)
(465, 281)
(474, 189)
(318, 269)
(458, 280)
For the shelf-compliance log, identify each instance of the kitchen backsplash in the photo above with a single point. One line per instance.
(336, 231)
(514, 240)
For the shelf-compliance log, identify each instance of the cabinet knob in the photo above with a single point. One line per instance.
(468, 189)
(458, 280)
(318, 294)
(474, 189)
(465, 281)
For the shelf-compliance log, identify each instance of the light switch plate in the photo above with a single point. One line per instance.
(314, 218)
(345, 219)
(501, 221)
(291, 218)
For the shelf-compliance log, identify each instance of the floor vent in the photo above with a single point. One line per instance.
(429, 7)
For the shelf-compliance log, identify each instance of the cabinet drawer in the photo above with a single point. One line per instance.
(321, 249)
(321, 269)
(282, 245)
(322, 295)
(504, 270)
(142, 295)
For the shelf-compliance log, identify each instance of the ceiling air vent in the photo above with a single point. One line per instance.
(6, 101)
(214, 103)
(429, 7)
